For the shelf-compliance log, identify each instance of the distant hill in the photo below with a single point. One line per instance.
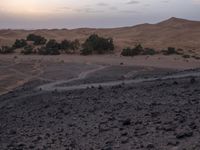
(175, 32)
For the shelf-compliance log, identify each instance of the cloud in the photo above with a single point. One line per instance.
(102, 4)
(113, 8)
(128, 11)
(89, 10)
(165, 1)
(196, 1)
(132, 2)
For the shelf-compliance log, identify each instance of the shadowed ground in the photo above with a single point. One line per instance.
(158, 114)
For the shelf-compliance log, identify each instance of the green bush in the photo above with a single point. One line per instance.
(37, 39)
(65, 45)
(74, 45)
(6, 50)
(69, 46)
(127, 52)
(170, 51)
(51, 48)
(27, 50)
(137, 50)
(149, 51)
(97, 44)
(19, 43)
(86, 51)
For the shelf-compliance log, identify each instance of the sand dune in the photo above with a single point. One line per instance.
(174, 32)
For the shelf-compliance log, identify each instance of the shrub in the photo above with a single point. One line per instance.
(51, 48)
(37, 39)
(74, 45)
(69, 46)
(127, 52)
(149, 51)
(27, 50)
(97, 44)
(19, 43)
(138, 49)
(196, 57)
(86, 51)
(6, 50)
(65, 45)
(186, 56)
(170, 51)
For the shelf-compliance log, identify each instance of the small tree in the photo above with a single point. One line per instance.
(51, 48)
(65, 45)
(149, 51)
(6, 50)
(127, 52)
(170, 51)
(36, 39)
(27, 50)
(97, 44)
(74, 45)
(19, 43)
(137, 50)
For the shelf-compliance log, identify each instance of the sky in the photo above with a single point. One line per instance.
(40, 14)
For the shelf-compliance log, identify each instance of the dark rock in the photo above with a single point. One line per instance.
(100, 87)
(107, 148)
(175, 83)
(126, 122)
(183, 133)
(192, 80)
(173, 143)
(150, 146)
(124, 140)
(12, 132)
(124, 134)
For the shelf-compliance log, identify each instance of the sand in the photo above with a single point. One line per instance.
(174, 32)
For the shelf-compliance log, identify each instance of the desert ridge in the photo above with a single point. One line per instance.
(174, 32)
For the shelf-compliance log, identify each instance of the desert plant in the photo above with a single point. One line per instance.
(170, 51)
(74, 45)
(86, 51)
(137, 50)
(6, 50)
(65, 45)
(149, 51)
(127, 52)
(196, 57)
(69, 46)
(51, 48)
(27, 50)
(97, 44)
(36, 39)
(19, 43)
(186, 56)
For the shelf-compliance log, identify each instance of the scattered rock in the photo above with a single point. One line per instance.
(124, 140)
(126, 122)
(192, 80)
(183, 133)
(150, 146)
(175, 83)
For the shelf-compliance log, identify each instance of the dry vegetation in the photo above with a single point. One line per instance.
(174, 32)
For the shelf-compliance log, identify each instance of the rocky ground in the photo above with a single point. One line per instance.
(159, 115)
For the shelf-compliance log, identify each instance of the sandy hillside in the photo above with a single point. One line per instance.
(174, 32)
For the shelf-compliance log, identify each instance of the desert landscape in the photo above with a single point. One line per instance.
(126, 88)
(173, 32)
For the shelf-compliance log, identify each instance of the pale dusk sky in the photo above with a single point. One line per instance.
(34, 14)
